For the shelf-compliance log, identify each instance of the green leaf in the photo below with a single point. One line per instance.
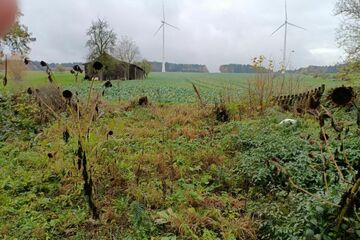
(319, 209)
(313, 221)
(309, 233)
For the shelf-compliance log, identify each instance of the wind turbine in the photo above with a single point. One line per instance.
(286, 24)
(162, 27)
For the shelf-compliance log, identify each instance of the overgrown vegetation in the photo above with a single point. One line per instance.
(147, 180)
(288, 179)
(173, 172)
(77, 166)
(178, 156)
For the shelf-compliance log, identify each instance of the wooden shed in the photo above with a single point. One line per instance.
(114, 69)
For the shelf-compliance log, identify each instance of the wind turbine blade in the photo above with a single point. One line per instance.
(278, 29)
(163, 6)
(161, 26)
(286, 13)
(171, 26)
(291, 24)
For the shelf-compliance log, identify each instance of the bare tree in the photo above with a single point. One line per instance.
(348, 35)
(127, 51)
(102, 39)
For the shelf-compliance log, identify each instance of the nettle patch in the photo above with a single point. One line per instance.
(303, 182)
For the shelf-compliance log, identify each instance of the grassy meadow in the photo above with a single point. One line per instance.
(106, 167)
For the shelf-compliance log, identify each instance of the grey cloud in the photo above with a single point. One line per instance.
(213, 32)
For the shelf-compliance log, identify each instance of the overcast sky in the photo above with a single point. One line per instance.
(213, 32)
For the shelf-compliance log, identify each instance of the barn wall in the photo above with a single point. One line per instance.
(119, 72)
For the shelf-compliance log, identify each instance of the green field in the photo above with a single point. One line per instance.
(173, 87)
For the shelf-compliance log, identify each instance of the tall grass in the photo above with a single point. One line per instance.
(266, 84)
(261, 87)
(76, 116)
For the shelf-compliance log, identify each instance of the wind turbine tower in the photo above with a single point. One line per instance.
(162, 27)
(285, 25)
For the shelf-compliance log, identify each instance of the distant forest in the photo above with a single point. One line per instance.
(156, 67)
(246, 68)
(36, 66)
(237, 68)
(229, 68)
(319, 69)
(172, 67)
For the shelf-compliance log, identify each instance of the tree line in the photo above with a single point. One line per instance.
(173, 67)
(237, 68)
